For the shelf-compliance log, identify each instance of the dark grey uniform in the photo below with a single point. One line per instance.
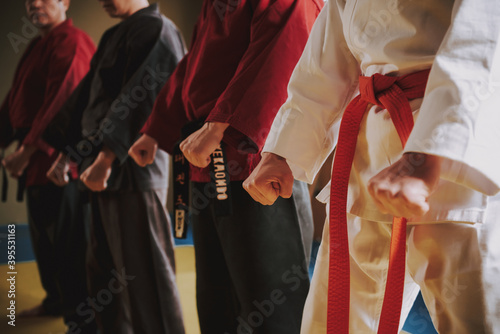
(130, 260)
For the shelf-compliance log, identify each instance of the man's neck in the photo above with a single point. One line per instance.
(134, 8)
(44, 31)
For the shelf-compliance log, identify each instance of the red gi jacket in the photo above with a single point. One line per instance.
(50, 69)
(237, 70)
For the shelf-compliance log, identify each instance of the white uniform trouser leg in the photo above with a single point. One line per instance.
(490, 253)
(369, 244)
(456, 266)
(458, 269)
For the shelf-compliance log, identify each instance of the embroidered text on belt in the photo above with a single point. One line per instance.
(393, 94)
(219, 178)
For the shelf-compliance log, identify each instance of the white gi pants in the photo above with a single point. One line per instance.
(455, 265)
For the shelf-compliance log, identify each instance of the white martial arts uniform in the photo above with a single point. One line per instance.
(453, 252)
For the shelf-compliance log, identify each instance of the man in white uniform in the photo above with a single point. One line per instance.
(445, 180)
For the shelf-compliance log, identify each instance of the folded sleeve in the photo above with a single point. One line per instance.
(168, 115)
(64, 131)
(68, 64)
(149, 61)
(322, 84)
(460, 115)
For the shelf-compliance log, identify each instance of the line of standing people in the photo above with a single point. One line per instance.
(251, 262)
(424, 72)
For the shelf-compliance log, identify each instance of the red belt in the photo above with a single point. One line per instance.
(393, 94)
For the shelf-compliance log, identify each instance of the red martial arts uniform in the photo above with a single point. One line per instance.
(237, 70)
(50, 69)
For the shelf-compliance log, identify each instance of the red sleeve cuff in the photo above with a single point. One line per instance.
(236, 136)
(157, 131)
(40, 144)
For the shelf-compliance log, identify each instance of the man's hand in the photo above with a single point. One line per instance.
(144, 150)
(403, 188)
(17, 162)
(96, 176)
(270, 179)
(198, 147)
(58, 172)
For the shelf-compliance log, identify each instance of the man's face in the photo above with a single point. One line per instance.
(45, 13)
(116, 8)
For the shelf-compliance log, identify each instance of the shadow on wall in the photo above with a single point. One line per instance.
(15, 32)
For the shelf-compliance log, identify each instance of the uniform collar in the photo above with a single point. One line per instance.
(61, 26)
(153, 8)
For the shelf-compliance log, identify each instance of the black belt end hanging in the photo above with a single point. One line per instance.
(220, 178)
(21, 186)
(181, 193)
(5, 184)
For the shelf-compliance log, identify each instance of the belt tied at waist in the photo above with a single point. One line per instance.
(19, 135)
(219, 180)
(393, 94)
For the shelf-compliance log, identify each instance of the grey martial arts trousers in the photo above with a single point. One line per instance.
(131, 265)
(58, 219)
(252, 266)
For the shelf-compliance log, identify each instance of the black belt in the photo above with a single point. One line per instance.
(21, 185)
(19, 134)
(219, 176)
(5, 184)
(220, 179)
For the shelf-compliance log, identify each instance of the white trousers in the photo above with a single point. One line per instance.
(455, 265)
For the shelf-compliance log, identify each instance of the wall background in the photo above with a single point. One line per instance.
(87, 15)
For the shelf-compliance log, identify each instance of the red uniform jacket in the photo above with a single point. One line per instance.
(236, 71)
(50, 69)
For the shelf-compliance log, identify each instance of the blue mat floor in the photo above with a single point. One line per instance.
(418, 321)
(24, 251)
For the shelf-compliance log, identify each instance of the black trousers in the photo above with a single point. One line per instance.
(251, 267)
(58, 220)
(131, 265)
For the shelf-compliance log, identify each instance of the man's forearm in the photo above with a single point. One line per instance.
(107, 155)
(28, 149)
(217, 127)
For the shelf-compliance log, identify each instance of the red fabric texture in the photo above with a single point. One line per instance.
(237, 69)
(50, 69)
(393, 94)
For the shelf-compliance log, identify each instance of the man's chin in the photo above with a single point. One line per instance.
(39, 24)
(111, 12)
(39, 21)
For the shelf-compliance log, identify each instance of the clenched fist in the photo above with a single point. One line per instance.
(58, 172)
(96, 176)
(270, 179)
(198, 147)
(17, 162)
(144, 150)
(403, 188)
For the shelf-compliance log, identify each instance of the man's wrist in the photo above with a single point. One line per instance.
(27, 149)
(417, 158)
(106, 155)
(217, 127)
(272, 156)
(63, 158)
(150, 139)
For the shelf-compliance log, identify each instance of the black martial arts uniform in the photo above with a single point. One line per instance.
(130, 260)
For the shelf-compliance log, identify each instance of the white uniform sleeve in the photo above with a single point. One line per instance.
(322, 84)
(460, 115)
